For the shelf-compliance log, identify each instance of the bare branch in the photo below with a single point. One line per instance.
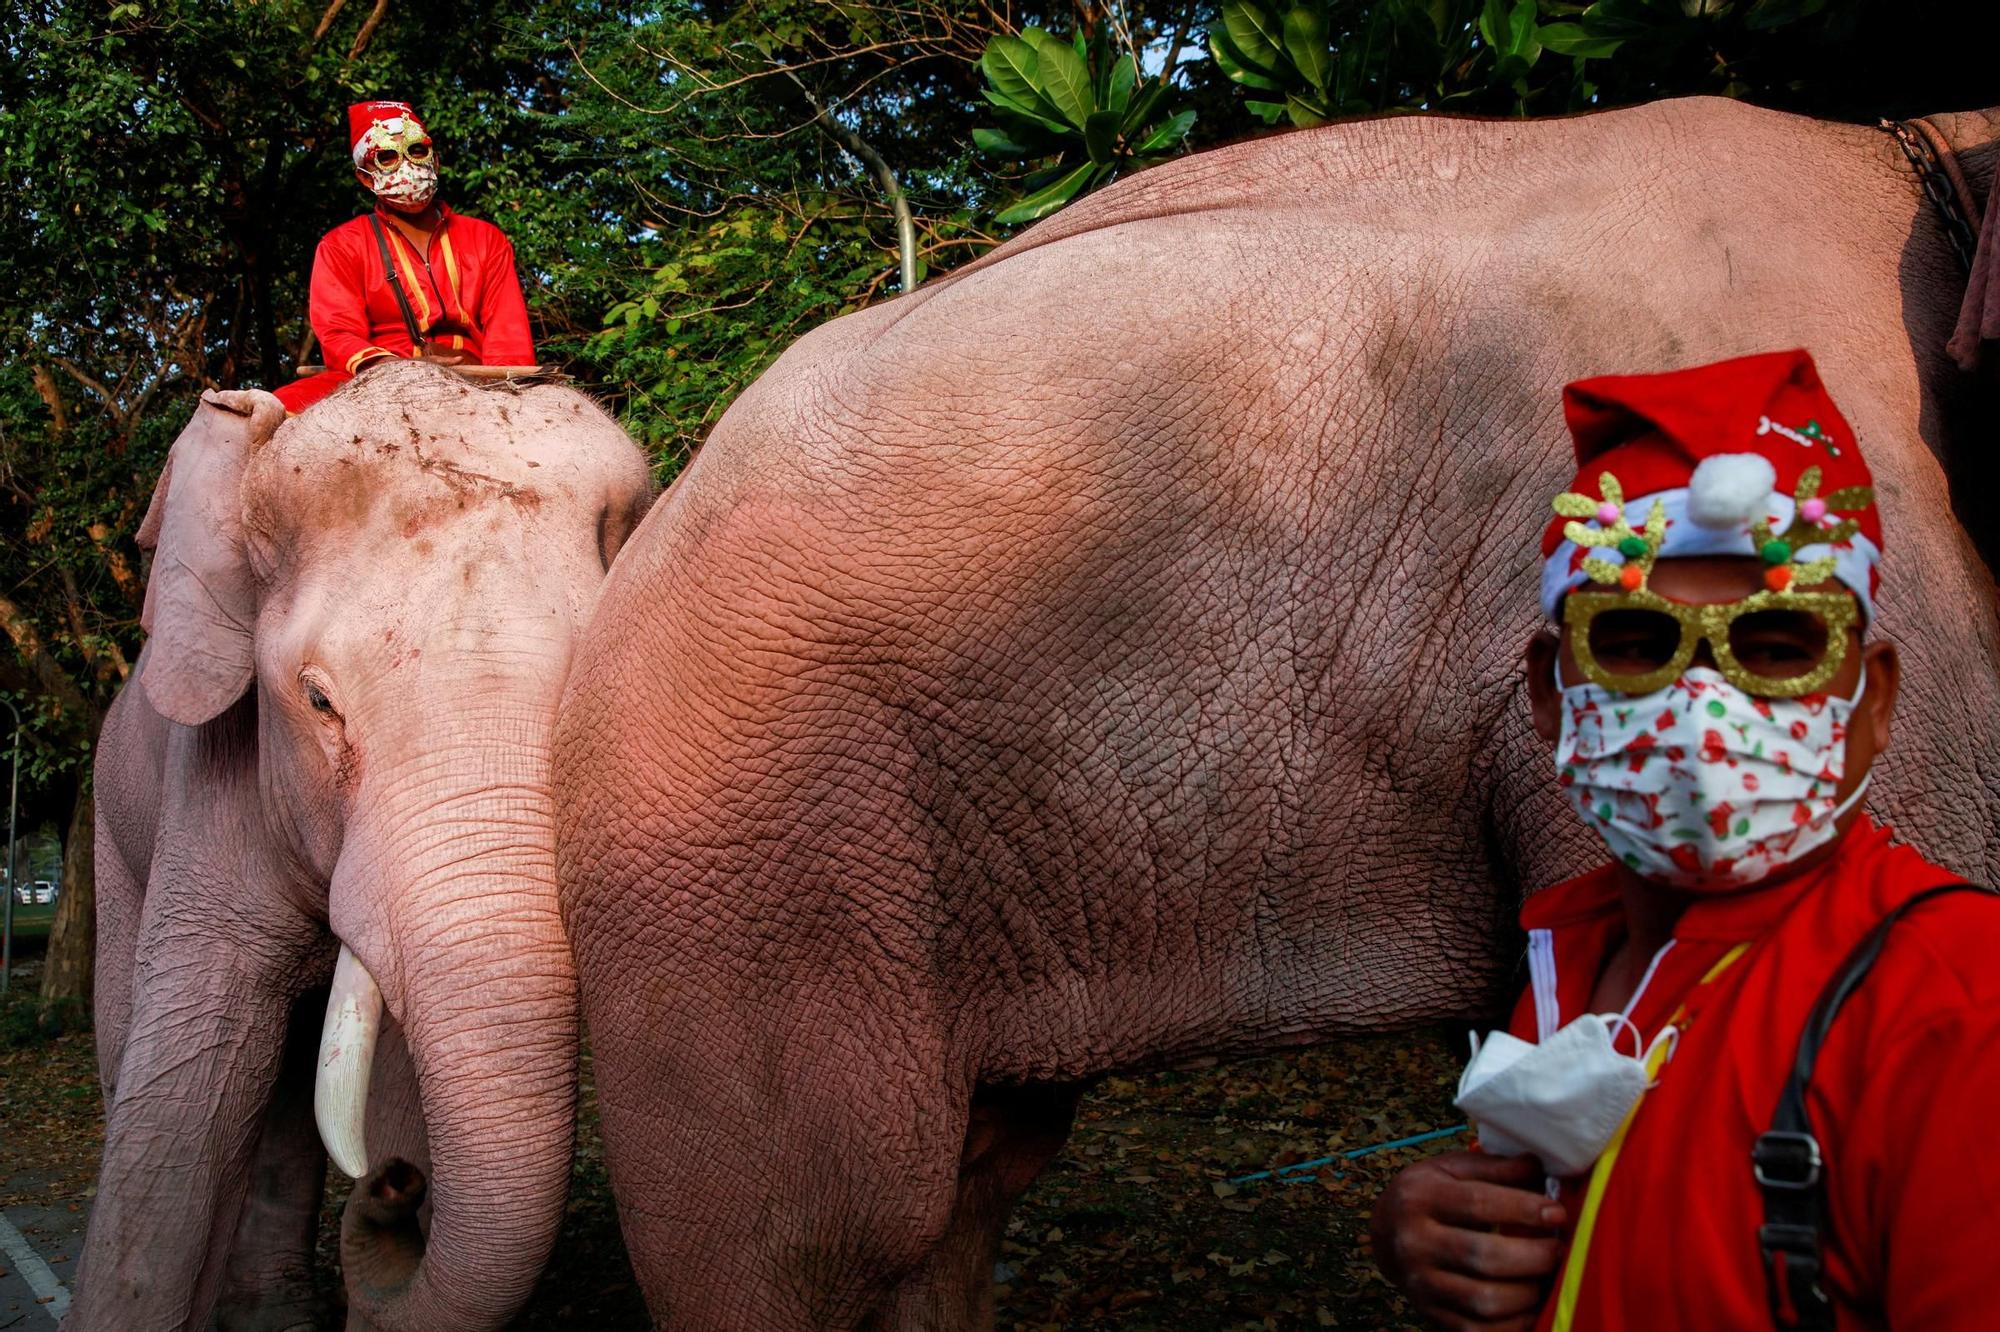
(45, 385)
(368, 29)
(53, 682)
(906, 227)
(97, 389)
(326, 19)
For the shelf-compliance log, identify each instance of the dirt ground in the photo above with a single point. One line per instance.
(1136, 1226)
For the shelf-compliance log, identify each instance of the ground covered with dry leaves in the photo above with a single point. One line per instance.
(1136, 1226)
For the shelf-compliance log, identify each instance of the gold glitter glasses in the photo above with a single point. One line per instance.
(1774, 644)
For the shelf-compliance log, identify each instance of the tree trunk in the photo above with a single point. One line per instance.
(67, 974)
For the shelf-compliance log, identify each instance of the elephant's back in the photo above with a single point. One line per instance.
(1177, 556)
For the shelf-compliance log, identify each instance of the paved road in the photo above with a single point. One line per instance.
(38, 1249)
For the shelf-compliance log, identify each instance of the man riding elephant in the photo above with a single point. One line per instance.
(412, 278)
(1715, 712)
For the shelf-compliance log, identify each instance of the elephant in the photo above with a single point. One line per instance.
(326, 847)
(1109, 656)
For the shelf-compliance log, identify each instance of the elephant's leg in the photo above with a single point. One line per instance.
(777, 1171)
(212, 992)
(121, 898)
(268, 1285)
(1013, 1133)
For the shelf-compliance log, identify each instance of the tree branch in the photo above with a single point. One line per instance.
(906, 227)
(368, 29)
(326, 19)
(45, 384)
(97, 389)
(51, 680)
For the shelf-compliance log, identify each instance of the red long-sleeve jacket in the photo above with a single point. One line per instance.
(1902, 1100)
(465, 295)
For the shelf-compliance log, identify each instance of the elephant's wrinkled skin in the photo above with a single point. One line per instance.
(1111, 654)
(360, 621)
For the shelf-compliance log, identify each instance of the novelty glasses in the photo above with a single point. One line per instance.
(388, 159)
(1771, 644)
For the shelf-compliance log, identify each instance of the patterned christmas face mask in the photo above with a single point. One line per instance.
(400, 162)
(1700, 785)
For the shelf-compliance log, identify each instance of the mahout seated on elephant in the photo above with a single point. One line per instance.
(1713, 703)
(1108, 655)
(338, 740)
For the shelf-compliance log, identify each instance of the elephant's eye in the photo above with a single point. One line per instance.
(319, 701)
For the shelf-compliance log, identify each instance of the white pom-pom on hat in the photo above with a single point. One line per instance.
(1730, 490)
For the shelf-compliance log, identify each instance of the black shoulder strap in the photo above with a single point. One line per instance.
(1787, 1161)
(396, 285)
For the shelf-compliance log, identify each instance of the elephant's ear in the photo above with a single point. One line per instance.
(200, 598)
(1979, 313)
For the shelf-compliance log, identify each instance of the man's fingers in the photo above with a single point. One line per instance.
(1477, 1204)
(1522, 1170)
(1481, 1253)
(1441, 1293)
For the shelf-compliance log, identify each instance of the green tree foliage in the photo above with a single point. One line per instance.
(1080, 105)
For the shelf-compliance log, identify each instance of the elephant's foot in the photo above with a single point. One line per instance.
(293, 1305)
(1011, 1134)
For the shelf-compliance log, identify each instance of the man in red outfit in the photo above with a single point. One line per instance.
(412, 278)
(1715, 709)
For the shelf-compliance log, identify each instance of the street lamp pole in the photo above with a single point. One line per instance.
(13, 802)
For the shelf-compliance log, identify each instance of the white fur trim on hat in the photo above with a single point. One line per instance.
(1852, 562)
(1730, 490)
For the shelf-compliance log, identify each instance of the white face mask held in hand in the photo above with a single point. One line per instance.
(1562, 1099)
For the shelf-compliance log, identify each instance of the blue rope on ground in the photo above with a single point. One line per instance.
(1318, 1161)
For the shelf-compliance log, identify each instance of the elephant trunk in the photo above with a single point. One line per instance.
(454, 913)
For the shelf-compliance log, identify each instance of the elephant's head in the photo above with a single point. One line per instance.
(400, 574)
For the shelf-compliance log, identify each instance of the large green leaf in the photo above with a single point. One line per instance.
(1145, 105)
(1628, 18)
(1065, 80)
(1011, 66)
(993, 141)
(1257, 37)
(1304, 114)
(1232, 63)
(1268, 112)
(1573, 39)
(1100, 137)
(1124, 77)
(1049, 198)
(1043, 118)
(1305, 43)
(1509, 27)
(1167, 133)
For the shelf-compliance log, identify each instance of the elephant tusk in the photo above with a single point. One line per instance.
(346, 1057)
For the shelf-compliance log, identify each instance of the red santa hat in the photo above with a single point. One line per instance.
(364, 116)
(1725, 448)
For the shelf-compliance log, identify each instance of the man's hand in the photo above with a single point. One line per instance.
(445, 355)
(1471, 1240)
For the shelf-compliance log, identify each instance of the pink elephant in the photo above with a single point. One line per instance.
(359, 623)
(1110, 655)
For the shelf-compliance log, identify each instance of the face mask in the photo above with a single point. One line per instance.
(407, 188)
(1560, 1100)
(1700, 785)
(409, 180)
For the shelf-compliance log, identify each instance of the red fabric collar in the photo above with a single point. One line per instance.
(1728, 916)
(444, 214)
